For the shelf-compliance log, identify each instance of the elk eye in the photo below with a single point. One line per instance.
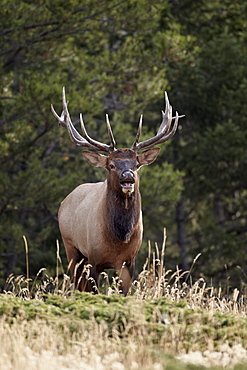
(111, 166)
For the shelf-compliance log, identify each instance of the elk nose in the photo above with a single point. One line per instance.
(128, 175)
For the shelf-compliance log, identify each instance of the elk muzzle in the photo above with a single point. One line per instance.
(127, 181)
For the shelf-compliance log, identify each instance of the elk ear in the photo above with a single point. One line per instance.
(95, 159)
(148, 156)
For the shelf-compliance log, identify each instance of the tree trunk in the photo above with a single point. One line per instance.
(180, 217)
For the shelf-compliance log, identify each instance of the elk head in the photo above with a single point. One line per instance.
(122, 166)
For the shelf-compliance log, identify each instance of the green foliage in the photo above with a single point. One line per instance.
(118, 58)
(212, 150)
(101, 53)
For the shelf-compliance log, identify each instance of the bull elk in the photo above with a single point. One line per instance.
(101, 223)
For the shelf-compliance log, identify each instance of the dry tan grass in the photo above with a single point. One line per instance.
(36, 345)
(31, 345)
(153, 282)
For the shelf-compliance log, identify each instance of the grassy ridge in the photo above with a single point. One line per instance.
(158, 317)
(155, 328)
(167, 322)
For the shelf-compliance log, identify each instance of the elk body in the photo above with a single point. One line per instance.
(101, 223)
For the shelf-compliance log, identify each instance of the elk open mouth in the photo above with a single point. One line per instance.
(127, 186)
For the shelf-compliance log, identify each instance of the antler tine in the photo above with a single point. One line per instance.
(167, 117)
(110, 133)
(162, 134)
(64, 114)
(85, 140)
(64, 120)
(73, 133)
(138, 134)
(96, 144)
(60, 121)
(172, 132)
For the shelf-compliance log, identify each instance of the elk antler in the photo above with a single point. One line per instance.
(85, 140)
(162, 134)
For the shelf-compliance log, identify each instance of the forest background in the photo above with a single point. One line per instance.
(118, 57)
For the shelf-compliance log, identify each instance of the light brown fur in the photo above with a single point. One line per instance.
(85, 221)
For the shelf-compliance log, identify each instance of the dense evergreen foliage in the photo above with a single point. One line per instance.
(118, 57)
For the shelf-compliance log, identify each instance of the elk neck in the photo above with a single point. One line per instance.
(122, 212)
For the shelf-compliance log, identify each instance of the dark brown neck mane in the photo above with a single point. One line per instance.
(122, 212)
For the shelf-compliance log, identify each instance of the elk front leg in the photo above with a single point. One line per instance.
(125, 275)
(92, 280)
(77, 262)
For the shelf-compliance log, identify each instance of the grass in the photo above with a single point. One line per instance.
(167, 322)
